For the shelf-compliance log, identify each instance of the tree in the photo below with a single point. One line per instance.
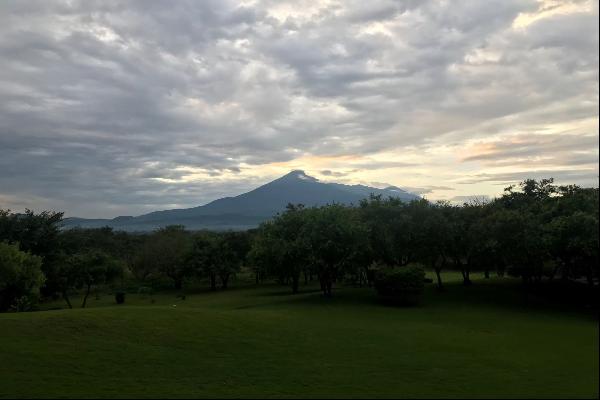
(389, 229)
(522, 246)
(572, 232)
(433, 249)
(289, 233)
(66, 276)
(20, 278)
(573, 240)
(91, 269)
(37, 234)
(281, 246)
(218, 255)
(202, 257)
(164, 254)
(266, 251)
(232, 248)
(335, 236)
(121, 245)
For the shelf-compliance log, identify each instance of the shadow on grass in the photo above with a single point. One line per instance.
(286, 291)
(502, 293)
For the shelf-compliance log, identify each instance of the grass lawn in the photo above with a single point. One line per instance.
(488, 340)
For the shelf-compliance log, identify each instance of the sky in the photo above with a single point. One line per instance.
(122, 108)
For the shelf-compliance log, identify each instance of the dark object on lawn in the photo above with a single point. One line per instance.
(120, 297)
(401, 285)
(428, 280)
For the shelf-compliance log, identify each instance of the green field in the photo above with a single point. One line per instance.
(488, 340)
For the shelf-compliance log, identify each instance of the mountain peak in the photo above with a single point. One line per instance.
(248, 210)
(395, 189)
(298, 174)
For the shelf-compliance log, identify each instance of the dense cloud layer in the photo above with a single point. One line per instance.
(115, 108)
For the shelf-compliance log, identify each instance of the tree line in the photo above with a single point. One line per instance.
(536, 231)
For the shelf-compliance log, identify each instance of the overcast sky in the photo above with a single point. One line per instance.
(120, 108)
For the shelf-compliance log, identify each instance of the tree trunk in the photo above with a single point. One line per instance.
(487, 273)
(295, 283)
(213, 281)
(329, 285)
(463, 272)
(224, 280)
(178, 283)
(565, 271)
(467, 271)
(370, 277)
(87, 293)
(590, 276)
(326, 283)
(66, 297)
(554, 272)
(466, 278)
(439, 278)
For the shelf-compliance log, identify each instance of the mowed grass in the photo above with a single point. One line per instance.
(488, 340)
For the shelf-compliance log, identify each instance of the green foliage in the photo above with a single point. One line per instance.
(38, 234)
(337, 240)
(20, 278)
(329, 241)
(91, 269)
(282, 246)
(35, 233)
(266, 253)
(525, 232)
(164, 254)
(400, 284)
(535, 231)
(217, 256)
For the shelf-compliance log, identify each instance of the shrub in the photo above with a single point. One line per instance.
(400, 284)
(25, 303)
(120, 297)
(20, 278)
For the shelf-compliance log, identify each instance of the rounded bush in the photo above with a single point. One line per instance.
(402, 285)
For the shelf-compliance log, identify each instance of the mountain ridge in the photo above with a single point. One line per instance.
(248, 209)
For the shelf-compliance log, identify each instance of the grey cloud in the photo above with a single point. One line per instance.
(383, 164)
(327, 172)
(426, 189)
(103, 102)
(540, 150)
(583, 176)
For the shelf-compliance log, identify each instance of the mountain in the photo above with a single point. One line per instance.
(249, 209)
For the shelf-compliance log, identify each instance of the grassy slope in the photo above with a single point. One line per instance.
(474, 342)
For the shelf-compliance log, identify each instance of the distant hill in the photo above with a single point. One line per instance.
(248, 210)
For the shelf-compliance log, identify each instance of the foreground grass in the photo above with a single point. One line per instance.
(488, 340)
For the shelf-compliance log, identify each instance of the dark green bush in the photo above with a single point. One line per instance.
(120, 297)
(402, 285)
